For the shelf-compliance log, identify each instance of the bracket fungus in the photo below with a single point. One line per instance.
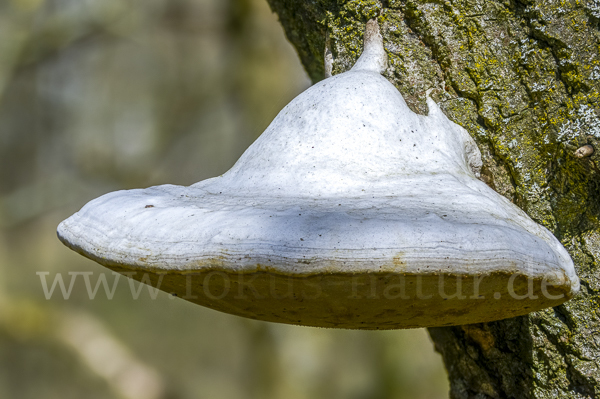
(349, 211)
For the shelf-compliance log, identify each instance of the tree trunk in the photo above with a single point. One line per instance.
(523, 78)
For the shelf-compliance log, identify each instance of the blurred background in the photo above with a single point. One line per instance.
(101, 95)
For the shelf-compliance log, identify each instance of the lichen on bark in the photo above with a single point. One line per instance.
(523, 77)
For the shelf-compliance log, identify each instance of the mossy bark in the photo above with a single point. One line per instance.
(523, 77)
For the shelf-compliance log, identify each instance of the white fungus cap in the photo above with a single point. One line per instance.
(349, 211)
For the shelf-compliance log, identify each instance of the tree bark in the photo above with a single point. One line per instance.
(523, 77)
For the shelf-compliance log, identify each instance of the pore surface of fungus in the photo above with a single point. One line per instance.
(349, 211)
